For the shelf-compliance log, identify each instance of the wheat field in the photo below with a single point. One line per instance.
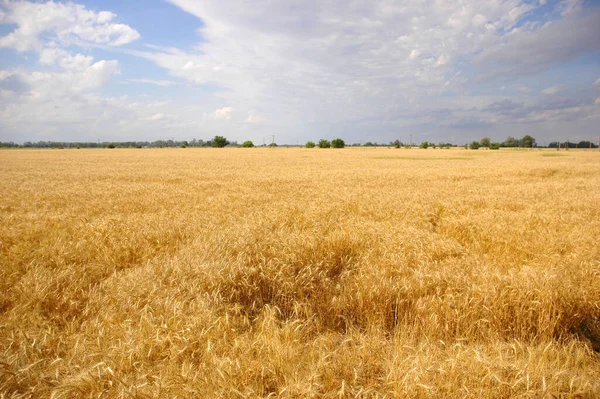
(181, 273)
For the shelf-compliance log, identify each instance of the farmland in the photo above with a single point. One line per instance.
(299, 273)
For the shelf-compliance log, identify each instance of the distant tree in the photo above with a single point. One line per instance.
(474, 145)
(248, 144)
(527, 141)
(424, 145)
(338, 143)
(485, 142)
(272, 145)
(219, 142)
(369, 144)
(111, 145)
(397, 144)
(586, 144)
(494, 146)
(510, 142)
(310, 144)
(324, 143)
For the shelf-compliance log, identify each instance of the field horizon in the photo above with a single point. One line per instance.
(291, 272)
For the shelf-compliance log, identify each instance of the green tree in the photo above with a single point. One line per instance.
(424, 145)
(474, 145)
(338, 143)
(219, 142)
(324, 143)
(485, 142)
(248, 144)
(310, 144)
(527, 141)
(510, 142)
(494, 146)
(397, 144)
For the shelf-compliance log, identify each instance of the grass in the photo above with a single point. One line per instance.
(298, 273)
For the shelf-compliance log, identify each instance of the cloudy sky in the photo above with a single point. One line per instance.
(301, 70)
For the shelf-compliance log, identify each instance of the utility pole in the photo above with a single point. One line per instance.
(273, 140)
(411, 140)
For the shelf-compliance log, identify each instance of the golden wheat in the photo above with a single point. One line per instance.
(299, 273)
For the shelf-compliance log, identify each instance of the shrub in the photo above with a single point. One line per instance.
(111, 145)
(248, 144)
(324, 143)
(424, 145)
(494, 146)
(338, 143)
(219, 142)
(397, 144)
(310, 144)
(485, 142)
(474, 145)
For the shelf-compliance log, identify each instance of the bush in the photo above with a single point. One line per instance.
(424, 145)
(324, 143)
(474, 145)
(111, 145)
(310, 144)
(338, 143)
(494, 146)
(485, 142)
(248, 144)
(397, 144)
(219, 142)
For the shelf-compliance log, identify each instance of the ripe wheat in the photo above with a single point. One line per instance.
(299, 273)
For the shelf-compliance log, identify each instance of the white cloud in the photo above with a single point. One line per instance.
(551, 90)
(365, 70)
(414, 54)
(555, 42)
(479, 20)
(523, 88)
(254, 119)
(163, 83)
(63, 22)
(223, 113)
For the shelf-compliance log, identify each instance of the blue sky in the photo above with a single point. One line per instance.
(440, 70)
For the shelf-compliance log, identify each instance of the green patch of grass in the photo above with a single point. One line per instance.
(554, 154)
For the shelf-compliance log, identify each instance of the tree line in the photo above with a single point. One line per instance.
(526, 141)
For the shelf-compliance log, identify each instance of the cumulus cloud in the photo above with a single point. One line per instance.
(555, 42)
(254, 119)
(63, 22)
(551, 90)
(163, 83)
(223, 113)
(368, 69)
